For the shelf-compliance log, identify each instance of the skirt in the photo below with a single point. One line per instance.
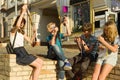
(22, 56)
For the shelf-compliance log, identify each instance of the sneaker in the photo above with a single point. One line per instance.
(67, 66)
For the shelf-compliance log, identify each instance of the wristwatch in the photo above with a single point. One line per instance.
(84, 44)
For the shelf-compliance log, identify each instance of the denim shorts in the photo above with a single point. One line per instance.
(110, 59)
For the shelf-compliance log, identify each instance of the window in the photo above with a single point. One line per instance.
(115, 5)
(81, 14)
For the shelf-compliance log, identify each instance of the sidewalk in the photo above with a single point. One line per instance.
(42, 50)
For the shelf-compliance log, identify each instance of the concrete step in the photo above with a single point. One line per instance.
(3, 45)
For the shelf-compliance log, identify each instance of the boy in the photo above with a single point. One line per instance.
(88, 46)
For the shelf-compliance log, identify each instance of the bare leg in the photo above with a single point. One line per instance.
(31, 74)
(30, 78)
(96, 72)
(37, 64)
(105, 71)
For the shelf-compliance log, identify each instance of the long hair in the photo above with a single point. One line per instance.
(21, 29)
(110, 31)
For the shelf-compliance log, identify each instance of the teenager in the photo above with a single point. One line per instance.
(88, 46)
(108, 51)
(22, 56)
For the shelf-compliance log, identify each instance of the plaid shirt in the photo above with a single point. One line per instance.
(91, 42)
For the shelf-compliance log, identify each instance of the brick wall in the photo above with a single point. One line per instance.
(9, 70)
(114, 74)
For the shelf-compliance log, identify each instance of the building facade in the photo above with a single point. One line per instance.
(95, 11)
(45, 11)
(42, 12)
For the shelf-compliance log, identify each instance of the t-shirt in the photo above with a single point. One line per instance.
(19, 40)
(91, 42)
(106, 51)
(58, 39)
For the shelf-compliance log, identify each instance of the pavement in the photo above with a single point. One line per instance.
(42, 50)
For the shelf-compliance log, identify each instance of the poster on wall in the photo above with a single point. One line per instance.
(115, 5)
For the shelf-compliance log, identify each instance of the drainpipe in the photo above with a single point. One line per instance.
(92, 15)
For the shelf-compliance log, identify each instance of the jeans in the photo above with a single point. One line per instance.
(61, 58)
(59, 52)
(61, 72)
(84, 62)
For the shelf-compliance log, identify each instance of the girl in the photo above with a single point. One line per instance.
(22, 57)
(108, 51)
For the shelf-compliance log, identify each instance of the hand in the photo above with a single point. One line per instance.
(75, 39)
(101, 47)
(24, 8)
(56, 29)
(33, 44)
(78, 40)
(34, 30)
(100, 38)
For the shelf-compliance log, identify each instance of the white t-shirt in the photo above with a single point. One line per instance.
(19, 40)
(106, 51)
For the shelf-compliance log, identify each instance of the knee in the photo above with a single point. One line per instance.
(39, 63)
(94, 76)
(101, 77)
(60, 63)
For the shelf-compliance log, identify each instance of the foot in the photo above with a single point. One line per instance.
(67, 66)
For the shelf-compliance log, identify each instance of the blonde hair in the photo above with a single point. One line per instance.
(110, 31)
(49, 25)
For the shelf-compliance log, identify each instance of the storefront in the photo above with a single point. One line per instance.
(80, 12)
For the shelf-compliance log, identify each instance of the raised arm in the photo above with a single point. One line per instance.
(23, 11)
(66, 23)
